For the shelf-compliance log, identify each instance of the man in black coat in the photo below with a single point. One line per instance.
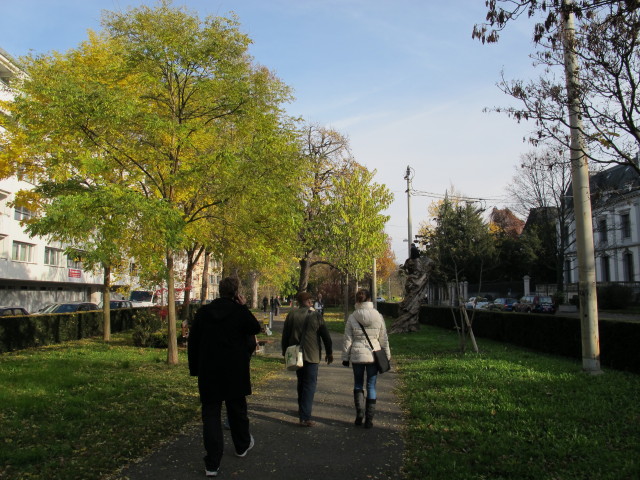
(221, 342)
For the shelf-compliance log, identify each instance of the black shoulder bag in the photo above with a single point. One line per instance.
(379, 356)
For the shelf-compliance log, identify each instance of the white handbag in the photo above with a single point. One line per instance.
(293, 357)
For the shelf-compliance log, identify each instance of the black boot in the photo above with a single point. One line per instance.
(358, 399)
(370, 413)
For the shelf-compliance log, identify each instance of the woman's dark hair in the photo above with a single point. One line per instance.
(363, 295)
(229, 287)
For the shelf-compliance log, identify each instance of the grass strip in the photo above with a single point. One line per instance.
(82, 409)
(511, 413)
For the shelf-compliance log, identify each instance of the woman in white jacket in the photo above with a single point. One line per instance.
(356, 349)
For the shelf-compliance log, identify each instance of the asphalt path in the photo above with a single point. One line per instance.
(334, 449)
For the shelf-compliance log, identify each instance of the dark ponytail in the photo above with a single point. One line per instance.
(363, 295)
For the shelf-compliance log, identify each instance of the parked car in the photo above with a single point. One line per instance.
(476, 302)
(535, 304)
(503, 304)
(380, 299)
(69, 307)
(116, 304)
(12, 311)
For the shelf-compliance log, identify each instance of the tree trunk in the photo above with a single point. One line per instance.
(303, 281)
(345, 297)
(254, 283)
(193, 256)
(188, 283)
(172, 340)
(106, 304)
(205, 278)
(467, 322)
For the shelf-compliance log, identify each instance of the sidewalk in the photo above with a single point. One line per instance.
(333, 450)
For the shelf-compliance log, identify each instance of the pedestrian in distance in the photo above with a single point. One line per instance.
(305, 320)
(265, 302)
(221, 342)
(276, 305)
(356, 349)
(318, 305)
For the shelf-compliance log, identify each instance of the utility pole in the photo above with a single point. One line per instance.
(407, 177)
(581, 202)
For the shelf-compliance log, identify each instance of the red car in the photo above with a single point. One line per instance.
(503, 304)
(535, 304)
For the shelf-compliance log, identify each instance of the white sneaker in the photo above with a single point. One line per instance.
(251, 444)
(211, 473)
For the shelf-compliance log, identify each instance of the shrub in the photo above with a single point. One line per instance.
(614, 296)
(558, 298)
(147, 324)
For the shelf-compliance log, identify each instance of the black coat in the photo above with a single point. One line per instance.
(219, 350)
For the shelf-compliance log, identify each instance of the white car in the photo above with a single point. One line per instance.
(476, 302)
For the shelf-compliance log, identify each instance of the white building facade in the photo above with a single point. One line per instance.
(615, 199)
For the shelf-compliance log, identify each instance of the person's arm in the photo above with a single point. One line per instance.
(286, 333)
(347, 342)
(193, 346)
(384, 339)
(326, 339)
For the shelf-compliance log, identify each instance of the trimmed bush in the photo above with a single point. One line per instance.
(148, 325)
(554, 334)
(614, 296)
(21, 332)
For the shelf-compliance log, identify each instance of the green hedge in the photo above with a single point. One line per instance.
(391, 309)
(21, 332)
(555, 334)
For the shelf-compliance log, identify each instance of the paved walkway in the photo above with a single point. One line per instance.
(333, 450)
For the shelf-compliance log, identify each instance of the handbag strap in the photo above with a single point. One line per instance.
(365, 334)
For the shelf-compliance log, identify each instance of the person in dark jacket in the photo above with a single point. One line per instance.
(221, 341)
(315, 330)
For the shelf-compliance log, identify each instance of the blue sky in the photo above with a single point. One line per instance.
(402, 79)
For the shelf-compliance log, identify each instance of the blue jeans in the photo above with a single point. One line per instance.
(307, 380)
(372, 376)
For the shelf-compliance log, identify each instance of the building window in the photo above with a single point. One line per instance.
(629, 274)
(22, 213)
(625, 225)
(52, 256)
(602, 230)
(22, 252)
(3, 253)
(567, 271)
(74, 261)
(133, 269)
(604, 264)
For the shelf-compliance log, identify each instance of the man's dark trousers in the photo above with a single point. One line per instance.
(212, 429)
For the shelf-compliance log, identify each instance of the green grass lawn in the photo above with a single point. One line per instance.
(81, 410)
(510, 413)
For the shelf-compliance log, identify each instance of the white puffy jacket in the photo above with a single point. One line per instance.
(355, 347)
